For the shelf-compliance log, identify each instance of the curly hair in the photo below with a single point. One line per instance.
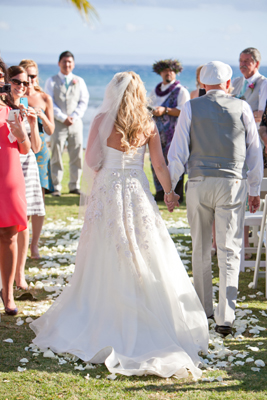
(161, 65)
(133, 118)
(28, 64)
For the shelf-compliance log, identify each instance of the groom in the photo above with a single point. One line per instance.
(217, 135)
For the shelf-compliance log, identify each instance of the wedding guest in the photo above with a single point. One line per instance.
(35, 205)
(199, 85)
(13, 218)
(167, 100)
(217, 135)
(70, 98)
(252, 87)
(43, 106)
(150, 320)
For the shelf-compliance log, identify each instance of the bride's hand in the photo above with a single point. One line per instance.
(171, 200)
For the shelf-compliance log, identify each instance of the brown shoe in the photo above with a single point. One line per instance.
(223, 330)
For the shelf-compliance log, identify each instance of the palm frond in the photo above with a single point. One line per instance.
(85, 8)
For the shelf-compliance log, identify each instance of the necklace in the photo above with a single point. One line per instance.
(161, 93)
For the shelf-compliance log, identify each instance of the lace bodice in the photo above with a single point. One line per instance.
(118, 159)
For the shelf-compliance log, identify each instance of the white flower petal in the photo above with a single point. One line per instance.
(98, 376)
(21, 369)
(79, 367)
(250, 359)
(253, 348)
(49, 354)
(87, 377)
(260, 363)
(255, 369)
(8, 340)
(112, 377)
(24, 360)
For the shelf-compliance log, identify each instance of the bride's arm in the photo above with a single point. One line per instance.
(160, 166)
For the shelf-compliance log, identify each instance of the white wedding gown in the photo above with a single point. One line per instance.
(130, 303)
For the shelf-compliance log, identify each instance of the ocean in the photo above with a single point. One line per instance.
(97, 77)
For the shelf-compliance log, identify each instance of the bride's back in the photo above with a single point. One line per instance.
(115, 140)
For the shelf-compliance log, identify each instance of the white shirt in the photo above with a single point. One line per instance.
(262, 92)
(83, 101)
(182, 98)
(179, 150)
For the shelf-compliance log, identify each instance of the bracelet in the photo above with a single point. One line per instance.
(23, 140)
(166, 110)
(170, 192)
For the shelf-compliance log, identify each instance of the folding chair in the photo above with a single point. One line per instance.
(252, 220)
(259, 263)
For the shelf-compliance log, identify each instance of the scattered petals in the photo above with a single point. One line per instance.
(255, 369)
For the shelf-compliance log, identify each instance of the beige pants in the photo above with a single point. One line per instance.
(74, 136)
(223, 199)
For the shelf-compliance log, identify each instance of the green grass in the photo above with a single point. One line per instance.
(45, 379)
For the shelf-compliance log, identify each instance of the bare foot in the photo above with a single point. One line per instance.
(35, 252)
(21, 283)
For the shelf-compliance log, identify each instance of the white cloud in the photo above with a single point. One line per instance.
(4, 26)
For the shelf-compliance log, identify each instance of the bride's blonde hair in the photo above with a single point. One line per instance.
(133, 118)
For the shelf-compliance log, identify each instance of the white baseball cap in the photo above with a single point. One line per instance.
(215, 72)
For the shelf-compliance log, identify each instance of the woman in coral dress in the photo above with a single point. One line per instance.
(13, 216)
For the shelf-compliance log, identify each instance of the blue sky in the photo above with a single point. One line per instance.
(133, 31)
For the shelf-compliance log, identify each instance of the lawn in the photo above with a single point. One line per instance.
(229, 370)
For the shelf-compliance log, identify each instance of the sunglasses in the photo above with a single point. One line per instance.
(32, 76)
(18, 82)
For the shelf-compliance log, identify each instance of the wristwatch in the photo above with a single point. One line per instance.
(166, 110)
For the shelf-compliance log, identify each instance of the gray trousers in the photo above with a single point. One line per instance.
(223, 199)
(74, 136)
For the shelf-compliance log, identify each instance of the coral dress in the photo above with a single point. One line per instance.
(13, 204)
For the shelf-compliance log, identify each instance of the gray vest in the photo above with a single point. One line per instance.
(217, 137)
(67, 100)
(251, 96)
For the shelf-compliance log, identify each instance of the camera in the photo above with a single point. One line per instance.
(6, 88)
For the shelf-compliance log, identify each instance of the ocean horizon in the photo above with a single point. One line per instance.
(97, 76)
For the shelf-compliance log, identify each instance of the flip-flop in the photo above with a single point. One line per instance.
(26, 296)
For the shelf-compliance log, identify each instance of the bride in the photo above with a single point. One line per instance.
(130, 303)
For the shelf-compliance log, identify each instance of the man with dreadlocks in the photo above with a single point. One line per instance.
(167, 100)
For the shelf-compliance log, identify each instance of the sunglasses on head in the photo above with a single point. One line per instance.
(18, 82)
(32, 76)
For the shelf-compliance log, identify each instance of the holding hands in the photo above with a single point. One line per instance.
(171, 200)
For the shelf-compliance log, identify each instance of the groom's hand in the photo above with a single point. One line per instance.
(172, 201)
(254, 203)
